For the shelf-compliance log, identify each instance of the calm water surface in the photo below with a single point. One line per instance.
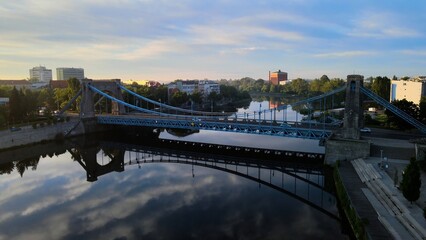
(135, 193)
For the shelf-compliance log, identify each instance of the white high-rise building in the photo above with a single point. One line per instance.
(41, 74)
(413, 89)
(67, 73)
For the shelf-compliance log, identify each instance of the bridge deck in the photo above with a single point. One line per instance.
(262, 128)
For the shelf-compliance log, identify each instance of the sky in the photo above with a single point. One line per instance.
(164, 40)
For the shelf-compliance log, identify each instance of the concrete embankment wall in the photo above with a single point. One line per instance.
(29, 135)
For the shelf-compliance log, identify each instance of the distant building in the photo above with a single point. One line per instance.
(18, 84)
(138, 82)
(41, 74)
(142, 83)
(4, 101)
(67, 73)
(411, 90)
(58, 84)
(39, 85)
(205, 87)
(278, 78)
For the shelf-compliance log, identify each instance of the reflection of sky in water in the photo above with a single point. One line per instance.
(251, 140)
(288, 115)
(157, 201)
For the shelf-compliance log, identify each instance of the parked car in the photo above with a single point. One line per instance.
(14, 129)
(365, 130)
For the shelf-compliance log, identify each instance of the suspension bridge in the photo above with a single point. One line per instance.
(145, 112)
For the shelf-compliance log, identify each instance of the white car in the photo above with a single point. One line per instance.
(365, 130)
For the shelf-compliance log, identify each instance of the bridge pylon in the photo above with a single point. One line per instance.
(87, 102)
(347, 144)
(353, 115)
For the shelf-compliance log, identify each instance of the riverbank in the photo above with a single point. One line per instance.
(28, 135)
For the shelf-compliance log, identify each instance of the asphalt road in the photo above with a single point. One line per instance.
(393, 134)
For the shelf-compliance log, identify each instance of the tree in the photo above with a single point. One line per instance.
(324, 78)
(15, 112)
(179, 98)
(228, 91)
(196, 97)
(74, 85)
(411, 181)
(315, 86)
(422, 109)
(408, 107)
(46, 98)
(73, 88)
(273, 88)
(381, 86)
(299, 86)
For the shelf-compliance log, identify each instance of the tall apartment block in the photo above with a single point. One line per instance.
(412, 90)
(41, 74)
(67, 73)
(278, 78)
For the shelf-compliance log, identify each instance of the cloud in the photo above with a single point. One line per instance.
(345, 54)
(373, 24)
(151, 49)
(413, 52)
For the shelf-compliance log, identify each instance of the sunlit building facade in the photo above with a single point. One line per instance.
(67, 73)
(41, 74)
(278, 78)
(412, 90)
(205, 87)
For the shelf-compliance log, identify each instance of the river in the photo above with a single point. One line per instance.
(119, 187)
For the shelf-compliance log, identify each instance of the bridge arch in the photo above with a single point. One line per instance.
(110, 86)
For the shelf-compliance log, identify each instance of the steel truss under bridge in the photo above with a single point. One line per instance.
(229, 126)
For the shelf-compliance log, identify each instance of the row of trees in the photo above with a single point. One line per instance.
(24, 104)
(228, 94)
(297, 86)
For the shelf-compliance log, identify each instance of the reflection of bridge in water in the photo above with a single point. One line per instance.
(303, 182)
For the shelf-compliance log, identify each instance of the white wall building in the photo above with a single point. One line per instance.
(411, 90)
(4, 101)
(205, 87)
(41, 74)
(67, 73)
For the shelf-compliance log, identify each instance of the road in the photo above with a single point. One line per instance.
(392, 134)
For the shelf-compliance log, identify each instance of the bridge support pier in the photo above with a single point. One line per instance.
(346, 144)
(345, 149)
